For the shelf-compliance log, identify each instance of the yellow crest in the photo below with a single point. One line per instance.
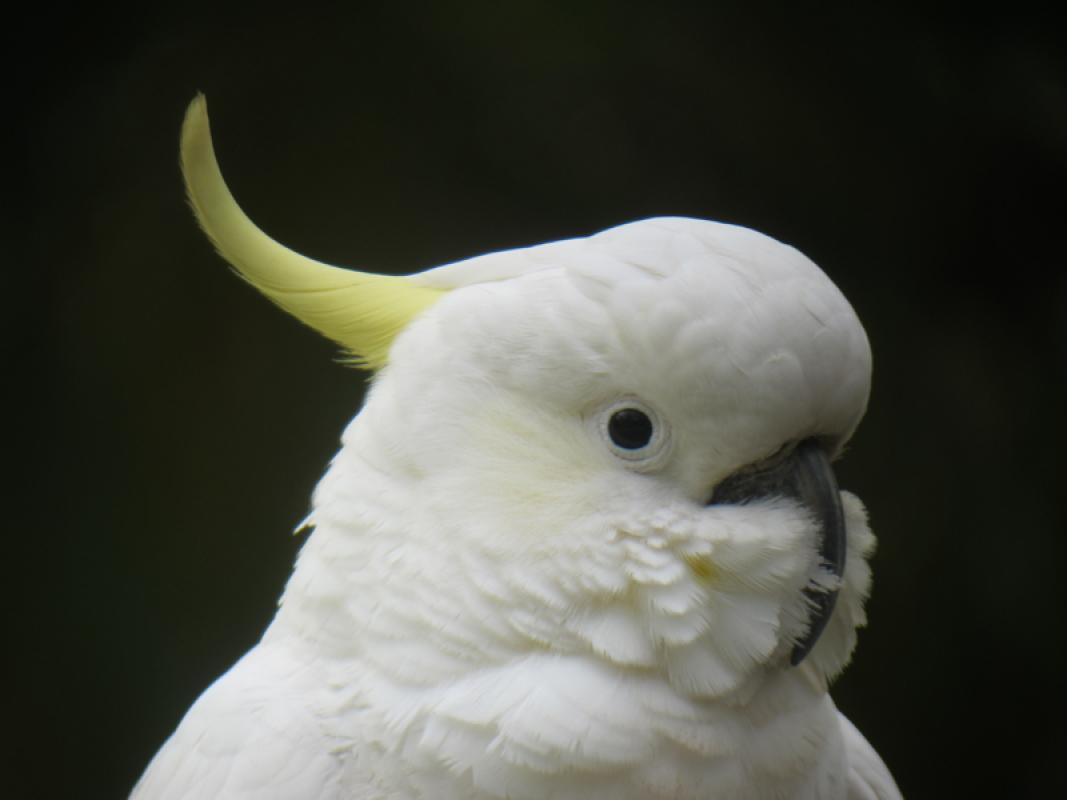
(361, 311)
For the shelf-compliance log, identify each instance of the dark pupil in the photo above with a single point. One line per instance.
(630, 428)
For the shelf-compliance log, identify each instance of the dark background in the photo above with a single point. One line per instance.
(175, 423)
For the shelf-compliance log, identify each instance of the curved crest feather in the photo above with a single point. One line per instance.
(361, 311)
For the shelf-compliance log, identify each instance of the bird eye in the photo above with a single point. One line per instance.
(635, 433)
(630, 428)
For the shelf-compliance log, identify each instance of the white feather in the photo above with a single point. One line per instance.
(494, 603)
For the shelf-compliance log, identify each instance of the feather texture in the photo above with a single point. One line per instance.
(361, 311)
(499, 601)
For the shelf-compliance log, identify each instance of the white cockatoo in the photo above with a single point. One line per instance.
(582, 541)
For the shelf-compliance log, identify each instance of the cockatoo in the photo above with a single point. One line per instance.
(583, 540)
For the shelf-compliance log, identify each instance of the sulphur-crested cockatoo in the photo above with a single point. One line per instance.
(582, 541)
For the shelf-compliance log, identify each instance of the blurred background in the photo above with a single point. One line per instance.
(175, 422)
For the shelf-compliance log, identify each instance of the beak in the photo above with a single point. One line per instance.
(805, 475)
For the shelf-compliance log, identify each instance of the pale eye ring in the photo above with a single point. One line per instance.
(635, 433)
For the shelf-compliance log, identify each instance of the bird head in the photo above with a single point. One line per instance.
(617, 447)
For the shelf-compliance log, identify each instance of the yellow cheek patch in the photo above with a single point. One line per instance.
(702, 568)
(361, 311)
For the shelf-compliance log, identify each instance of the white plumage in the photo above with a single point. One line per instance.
(499, 601)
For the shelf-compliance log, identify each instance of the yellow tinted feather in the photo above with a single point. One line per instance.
(361, 311)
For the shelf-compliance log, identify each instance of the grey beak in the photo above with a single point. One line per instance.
(805, 475)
